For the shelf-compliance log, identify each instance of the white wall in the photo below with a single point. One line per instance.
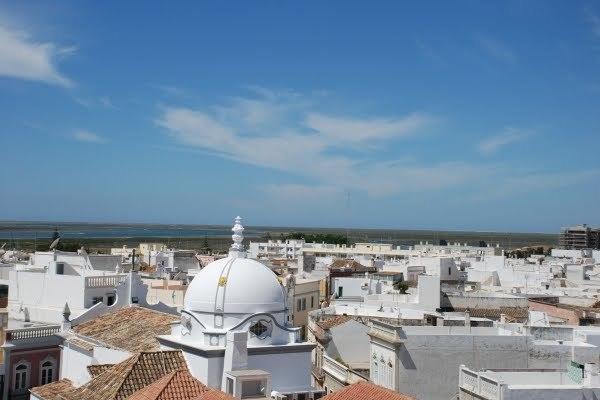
(73, 365)
(349, 341)
(428, 364)
(43, 296)
(288, 370)
(429, 291)
(351, 286)
(444, 267)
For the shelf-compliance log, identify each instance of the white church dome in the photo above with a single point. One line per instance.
(235, 285)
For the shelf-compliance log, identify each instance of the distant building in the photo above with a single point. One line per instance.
(288, 249)
(580, 237)
(303, 297)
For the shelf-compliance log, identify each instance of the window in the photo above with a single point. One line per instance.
(60, 268)
(375, 373)
(259, 329)
(46, 372)
(229, 385)
(110, 299)
(312, 301)
(21, 381)
(304, 304)
(253, 388)
(299, 305)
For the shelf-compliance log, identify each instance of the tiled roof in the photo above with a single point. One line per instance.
(123, 379)
(213, 394)
(81, 343)
(349, 265)
(178, 385)
(333, 321)
(97, 369)
(130, 328)
(513, 314)
(53, 391)
(366, 391)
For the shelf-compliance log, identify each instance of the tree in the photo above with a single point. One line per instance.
(482, 243)
(443, 242)
(205, 246)
(402, 286)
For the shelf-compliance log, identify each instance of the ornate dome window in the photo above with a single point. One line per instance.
(260, 329)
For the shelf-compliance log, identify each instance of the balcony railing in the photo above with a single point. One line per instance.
(481, 385)
(337, 370)
(103, 281)
(32, 333)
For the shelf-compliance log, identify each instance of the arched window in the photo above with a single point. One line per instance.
(46, 371)
(21, 377)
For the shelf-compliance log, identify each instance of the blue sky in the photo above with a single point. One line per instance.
(469, 115)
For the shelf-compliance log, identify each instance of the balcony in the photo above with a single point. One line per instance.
(480, 385)
(341, 372)
(103, 281)
(32, 333)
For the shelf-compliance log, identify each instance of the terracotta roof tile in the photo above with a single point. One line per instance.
(213, 394)
(513, 314)
(123, 379)
(53, 391)
(336, 320)
(366, 391)
(81, 343)
(349, 265)
(97, 369)
(131, 328)
(178, 385)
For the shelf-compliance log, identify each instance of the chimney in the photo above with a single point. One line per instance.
(66, 323)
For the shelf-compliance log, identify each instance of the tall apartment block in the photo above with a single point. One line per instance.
(579, 237)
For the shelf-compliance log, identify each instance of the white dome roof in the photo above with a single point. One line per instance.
(235, 285)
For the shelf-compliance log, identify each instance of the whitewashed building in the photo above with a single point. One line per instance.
(235, 327)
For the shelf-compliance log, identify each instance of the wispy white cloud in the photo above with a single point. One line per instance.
(496, 49)
(289, 135)
(22, 57)
(508, 136)
(87, 136)
(350, 130)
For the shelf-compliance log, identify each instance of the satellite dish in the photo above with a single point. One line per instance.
(54, 243)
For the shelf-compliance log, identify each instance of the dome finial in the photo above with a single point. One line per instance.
(237, 237)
